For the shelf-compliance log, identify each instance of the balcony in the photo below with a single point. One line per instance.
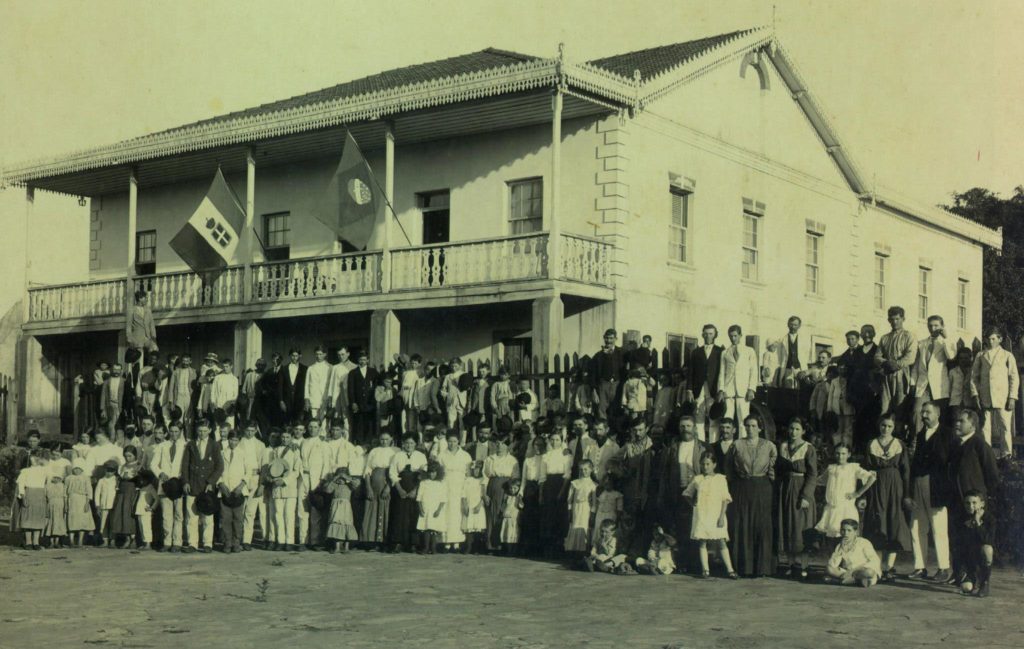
(418, 270)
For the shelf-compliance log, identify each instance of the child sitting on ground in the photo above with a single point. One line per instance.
(855, 559)
(659, 559)
(604, 556)
(977, 536)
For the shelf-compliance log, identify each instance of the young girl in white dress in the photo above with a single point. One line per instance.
(511, 507)
(431, 496)
(841, 493)
(582, 499)
(474, 519)
(609, 506)
(709, 494)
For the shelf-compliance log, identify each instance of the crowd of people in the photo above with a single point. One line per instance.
(632, 470)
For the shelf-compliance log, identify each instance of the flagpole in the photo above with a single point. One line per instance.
(387, 200)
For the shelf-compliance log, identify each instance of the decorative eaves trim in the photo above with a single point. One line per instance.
(938, 217)
(505, 79)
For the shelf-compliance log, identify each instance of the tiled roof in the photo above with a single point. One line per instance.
(653, 61)
(464, 64)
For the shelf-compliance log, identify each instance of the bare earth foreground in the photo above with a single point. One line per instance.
(117, 598)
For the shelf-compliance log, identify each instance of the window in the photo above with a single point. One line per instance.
(924, 278)
(436, 209)
(277, 236)
(881, 261)
(678, 231)
(145, 252)
(526, 206)
(961, 303)
(812, 264)
(675, 351)
(751, 243)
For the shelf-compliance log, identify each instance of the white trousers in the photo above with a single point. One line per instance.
(171, 513)
(737, 409)
(996, 430)
(146, 527)
(707, 432)
(254, 506)
(284, 520)
(936, 521)
(194, 521)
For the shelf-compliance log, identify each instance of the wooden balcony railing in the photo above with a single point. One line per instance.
(418, 268)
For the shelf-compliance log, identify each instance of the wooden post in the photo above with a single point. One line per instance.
(133, 226)
(554, 227)
(247, 232)
(389, 192)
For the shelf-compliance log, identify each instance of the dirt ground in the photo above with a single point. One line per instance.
(120, 598)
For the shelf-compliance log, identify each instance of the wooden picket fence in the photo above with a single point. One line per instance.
(7, 388)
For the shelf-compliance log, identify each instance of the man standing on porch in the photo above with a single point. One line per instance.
(899, 349)
(337, 392)
(183, 381)
(112, 400)
(318, 383)
(931, 371)
(361, 382)
(792, 352)
(291, 387)
(705, 370)
(608, 366)
(739, 364)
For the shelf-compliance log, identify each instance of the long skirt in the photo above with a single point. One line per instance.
(496, 495)
(794, 523)
(122, 516)
(529, 528)
(404, 512)
(453, 509)
(752, 551)
(375, 514)
(553, 512)
(885, 524)
(57, 523)
(80, 514)
(32, 514)
(15, 514)
(359, 505)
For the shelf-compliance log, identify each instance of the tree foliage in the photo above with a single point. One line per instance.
(1002, 298)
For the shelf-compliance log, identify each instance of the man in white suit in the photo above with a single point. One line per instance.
(996, 377)
(740, 373)
(931, 369)
(795, 355)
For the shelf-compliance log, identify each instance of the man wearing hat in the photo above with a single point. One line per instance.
(607, 368)
(361, 382)
(318, 384)
(234, 491)
(167, 460)
(200, 471)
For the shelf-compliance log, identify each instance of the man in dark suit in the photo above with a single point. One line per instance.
(201, 468)
(361, 382)
(606, 373)
(930, 492)
(291, 388)
(705, 368)
(680, 462)
(972, 467)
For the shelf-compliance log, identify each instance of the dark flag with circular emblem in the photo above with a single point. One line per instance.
(353, 199)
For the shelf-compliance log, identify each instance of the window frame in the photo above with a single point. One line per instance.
(963, 302)
(280, 252)
(879, 283)
(139, 262)
(924, 279)
(751, 216)
(819, 239)
(536, 199)
(685, 197)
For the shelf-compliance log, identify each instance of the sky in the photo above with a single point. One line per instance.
(927, 95)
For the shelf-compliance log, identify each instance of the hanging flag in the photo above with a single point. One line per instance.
(208, 241)
(354, 200)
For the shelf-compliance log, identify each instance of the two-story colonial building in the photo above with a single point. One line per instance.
(537, 202)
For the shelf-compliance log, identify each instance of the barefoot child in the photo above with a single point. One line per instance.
(474, 520)
(854, 559)
(78, 490)
(431, 500)
(709, 494)
(56, 506)
(103, 498)
(660, 559)
(342, 527)
(511, 507)
(581, 502)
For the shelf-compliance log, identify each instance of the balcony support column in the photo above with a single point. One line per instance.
(389, 194)
(385, 337)
(30, 203)
(248, 345)
(247, 231)
(548, 314)
(133, 226)
(554, 216)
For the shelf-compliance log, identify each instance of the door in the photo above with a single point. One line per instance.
(517, 354)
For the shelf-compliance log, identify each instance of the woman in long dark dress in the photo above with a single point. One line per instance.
(554, 510)
(404, 475)
(754, 460)
(499, 469)
(122, 516)
(797, 472)
(533, 478)
(864, 387)
(377, 492)
(885, 523)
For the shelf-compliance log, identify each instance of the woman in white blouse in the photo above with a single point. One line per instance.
(554, 517)
(378, 492)
(456, 463)
(499, 468)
